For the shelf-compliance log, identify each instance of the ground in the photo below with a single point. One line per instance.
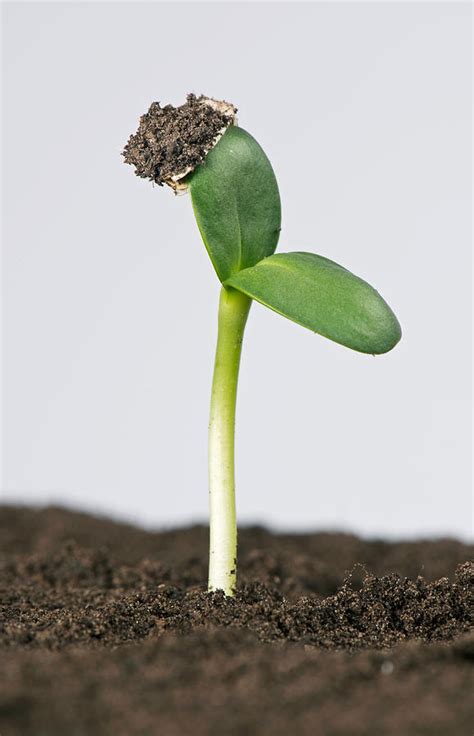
(107, 629)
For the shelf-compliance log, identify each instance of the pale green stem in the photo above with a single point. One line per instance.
(233, 312)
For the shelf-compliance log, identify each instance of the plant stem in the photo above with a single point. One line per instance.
(233, 312)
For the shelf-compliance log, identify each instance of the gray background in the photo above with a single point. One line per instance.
(110, 300)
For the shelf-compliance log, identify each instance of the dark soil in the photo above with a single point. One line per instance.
(107, 629)
(172, 140)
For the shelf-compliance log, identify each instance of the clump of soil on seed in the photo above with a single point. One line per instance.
(171, 141)
(106, 628)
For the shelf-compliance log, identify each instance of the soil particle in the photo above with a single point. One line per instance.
(106, 629)
(171, 141)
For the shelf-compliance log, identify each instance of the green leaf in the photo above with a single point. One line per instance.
(236, 203)
(323, 296)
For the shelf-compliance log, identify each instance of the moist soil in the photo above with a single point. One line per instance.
(107, 629)
(171, 140)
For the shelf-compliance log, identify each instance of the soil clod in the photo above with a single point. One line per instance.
(171, 141)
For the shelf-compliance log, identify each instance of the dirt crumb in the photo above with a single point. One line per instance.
(171, 141)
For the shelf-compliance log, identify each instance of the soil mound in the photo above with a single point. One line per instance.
(107, 629)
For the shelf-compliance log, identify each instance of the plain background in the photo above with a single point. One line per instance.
(110, 300)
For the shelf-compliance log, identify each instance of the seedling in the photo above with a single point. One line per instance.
(199, 148)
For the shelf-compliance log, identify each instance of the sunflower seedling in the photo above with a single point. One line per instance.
(199, 148)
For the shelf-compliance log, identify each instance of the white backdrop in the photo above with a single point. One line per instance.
(110, 300)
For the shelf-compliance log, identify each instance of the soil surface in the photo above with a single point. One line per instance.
(107, 629)
(172, 141)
